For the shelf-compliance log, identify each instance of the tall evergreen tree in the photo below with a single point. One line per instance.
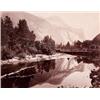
(7, 31)
(48, 45)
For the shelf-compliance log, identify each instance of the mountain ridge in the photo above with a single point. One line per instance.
(42, 27)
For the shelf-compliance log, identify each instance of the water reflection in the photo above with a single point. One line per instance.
(22, 75)
(31, 74)
(95, 73)
(54, 72)
(88, 59)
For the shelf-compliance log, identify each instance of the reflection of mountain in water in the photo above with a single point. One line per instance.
(95, 73)
(61, 71)
(52, 72)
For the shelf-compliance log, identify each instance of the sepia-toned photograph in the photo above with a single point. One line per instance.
(50, 49)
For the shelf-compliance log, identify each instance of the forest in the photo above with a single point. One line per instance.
(19, 40)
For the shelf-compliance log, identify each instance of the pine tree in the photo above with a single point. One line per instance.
(7, 32)
(48, 45)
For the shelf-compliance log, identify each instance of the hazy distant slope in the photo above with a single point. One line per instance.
(97, 38)
(42, 27)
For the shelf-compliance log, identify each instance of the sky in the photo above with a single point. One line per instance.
(88, 22)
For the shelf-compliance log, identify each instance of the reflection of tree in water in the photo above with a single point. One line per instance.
(46, 65)
(47, 71)
(22, 77)
(56, 76)
(61, 74)
(95, 73)
(40, 72)
(18, 78)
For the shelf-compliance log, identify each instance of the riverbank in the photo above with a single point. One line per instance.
(36, 58)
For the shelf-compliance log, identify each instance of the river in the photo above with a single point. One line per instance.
(69, 73)
(66, 71)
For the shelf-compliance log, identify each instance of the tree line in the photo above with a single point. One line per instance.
(20, 41)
